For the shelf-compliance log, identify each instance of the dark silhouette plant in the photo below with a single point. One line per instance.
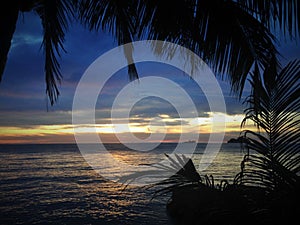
(267, 189)
(273, 157)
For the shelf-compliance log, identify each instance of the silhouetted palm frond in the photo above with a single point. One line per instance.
(221, 32)
(54, 15)
(184, 174)
(226, 34)
(273, 159)
(116, 17)
(276, 14)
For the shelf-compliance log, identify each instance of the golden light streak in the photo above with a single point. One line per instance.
(169, 125)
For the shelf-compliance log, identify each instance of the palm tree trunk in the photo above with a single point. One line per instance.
(8, 19)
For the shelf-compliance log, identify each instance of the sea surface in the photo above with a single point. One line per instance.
(53, 184)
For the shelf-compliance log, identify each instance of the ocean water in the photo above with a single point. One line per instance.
(53, 184)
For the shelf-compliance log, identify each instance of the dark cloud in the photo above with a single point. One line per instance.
(34, 117)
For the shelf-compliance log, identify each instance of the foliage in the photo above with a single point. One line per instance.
(273, 159)
(229, 35)
(267, 188)
(184, 175)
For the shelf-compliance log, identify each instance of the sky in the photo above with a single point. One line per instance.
(27, 117)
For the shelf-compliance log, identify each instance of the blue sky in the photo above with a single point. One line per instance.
(23, 102)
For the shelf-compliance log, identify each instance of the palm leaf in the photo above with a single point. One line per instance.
(276, 14)
(54, 15)
(116, 17)
(221, 32)
(274, 107)
(185, 176)
(225, 35)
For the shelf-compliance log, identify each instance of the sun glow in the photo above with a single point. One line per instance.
(162, 124)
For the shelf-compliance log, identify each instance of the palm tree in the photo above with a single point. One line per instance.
(230, 35)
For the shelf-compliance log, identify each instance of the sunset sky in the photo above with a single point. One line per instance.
(23, 103)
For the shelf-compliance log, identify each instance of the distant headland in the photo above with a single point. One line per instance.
(238, 140)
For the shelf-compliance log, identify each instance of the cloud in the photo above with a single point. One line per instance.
(25, 39)
(30, 118)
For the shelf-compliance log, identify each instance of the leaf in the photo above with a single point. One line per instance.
(54, 15)
(274, 107)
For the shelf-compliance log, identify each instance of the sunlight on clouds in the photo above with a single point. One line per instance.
(164, 116)
(131, 128)
(36, 130)
(85, 128)
(162, 124)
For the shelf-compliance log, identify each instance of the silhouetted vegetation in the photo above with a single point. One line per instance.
(229, 35)
(267, 189)
(240, 140)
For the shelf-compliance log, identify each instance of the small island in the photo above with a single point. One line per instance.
(240, 139)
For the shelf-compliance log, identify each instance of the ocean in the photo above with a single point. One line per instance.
(53, 184)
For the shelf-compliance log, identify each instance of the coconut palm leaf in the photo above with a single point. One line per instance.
(225, 35)
(177, 171)
(54, 15)
(221, 32)
(116, 17)
(273, 159)
(276, 14)
(184, 176)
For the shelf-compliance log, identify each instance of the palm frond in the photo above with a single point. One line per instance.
(273, 159)
(116, 17)
(276, 14)
(54, 15)
(224, 35)
(185, 177)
